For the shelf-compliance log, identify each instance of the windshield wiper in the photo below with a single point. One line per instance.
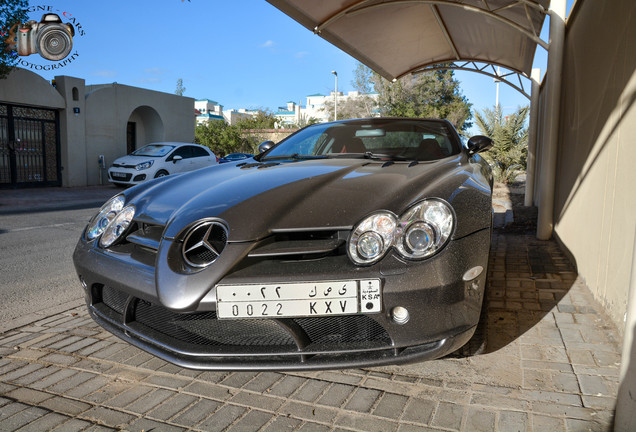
(381, 156)
(294, 156)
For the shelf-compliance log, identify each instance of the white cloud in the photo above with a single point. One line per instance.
(149, 80)
(301, 54)
(154, 71)
(267, 44)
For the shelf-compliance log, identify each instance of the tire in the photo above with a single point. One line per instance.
(161, 173)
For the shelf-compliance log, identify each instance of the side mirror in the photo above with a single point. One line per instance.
(478, 143)
(265, 145)
(176, 158)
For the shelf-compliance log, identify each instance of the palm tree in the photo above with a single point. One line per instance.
(510, 141)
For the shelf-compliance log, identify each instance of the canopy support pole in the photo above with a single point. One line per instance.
(547, 181)
(533, 130)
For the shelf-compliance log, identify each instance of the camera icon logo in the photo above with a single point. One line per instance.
(50, 38)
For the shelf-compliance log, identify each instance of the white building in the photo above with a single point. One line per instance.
(209, 109)
(233, 116)
(316, 107)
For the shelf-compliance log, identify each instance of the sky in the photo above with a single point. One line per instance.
(240, 53)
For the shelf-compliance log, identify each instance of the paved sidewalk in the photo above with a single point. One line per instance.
(552, 365)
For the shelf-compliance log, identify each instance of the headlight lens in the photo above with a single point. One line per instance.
(372, 237)
(106, 214)
(419, 233)
(117, 227)
(370, 245)
(424, 229)
(144, 165)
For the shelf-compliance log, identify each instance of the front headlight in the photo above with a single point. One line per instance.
(117, 227)
(371, 238)
(106, 214)
(424, 229)
(419, 233)
(144, 165)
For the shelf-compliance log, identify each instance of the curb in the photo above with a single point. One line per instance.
(40, 208)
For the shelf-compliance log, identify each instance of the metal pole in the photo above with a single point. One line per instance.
(545, 220)
(497, 80)
(532, 137)
(335, 98)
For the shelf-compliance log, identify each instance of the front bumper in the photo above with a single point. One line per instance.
(444, 309)
(128, 176)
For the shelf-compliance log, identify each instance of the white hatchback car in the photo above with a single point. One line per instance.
(158, 160)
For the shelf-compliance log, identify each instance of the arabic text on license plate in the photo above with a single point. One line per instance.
(302, 299)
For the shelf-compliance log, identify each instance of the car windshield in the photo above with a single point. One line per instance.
(153, 150)
(391, 139)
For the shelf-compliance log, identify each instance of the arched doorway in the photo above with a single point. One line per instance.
(144, 126)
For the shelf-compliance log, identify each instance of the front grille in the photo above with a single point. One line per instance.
(114, 299)
(203, 333)
(354, 331)
(205, 329)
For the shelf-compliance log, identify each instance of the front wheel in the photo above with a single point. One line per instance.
(161, 173)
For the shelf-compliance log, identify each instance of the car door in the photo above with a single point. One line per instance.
(201, 158)
(183, 165)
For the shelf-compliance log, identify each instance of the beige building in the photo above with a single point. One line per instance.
(66, 133)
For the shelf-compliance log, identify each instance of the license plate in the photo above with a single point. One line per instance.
(299, 299)
(117, 174)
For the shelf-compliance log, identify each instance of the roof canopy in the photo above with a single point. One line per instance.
(397, 37)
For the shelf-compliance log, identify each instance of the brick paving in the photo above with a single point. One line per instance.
(552, 365)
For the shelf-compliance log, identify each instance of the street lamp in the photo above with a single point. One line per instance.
(335, 98)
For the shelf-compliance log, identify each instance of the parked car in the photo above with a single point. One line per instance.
(158, 160)
(351, 243)
(232, 157)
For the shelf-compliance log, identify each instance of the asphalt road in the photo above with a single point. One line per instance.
(36, 269)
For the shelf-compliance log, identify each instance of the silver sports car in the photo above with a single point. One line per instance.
(351, 243)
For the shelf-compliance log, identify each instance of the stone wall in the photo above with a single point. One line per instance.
(260, 135)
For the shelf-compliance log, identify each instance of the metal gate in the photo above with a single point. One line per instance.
(29, 147)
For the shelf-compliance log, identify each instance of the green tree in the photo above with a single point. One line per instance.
(305, 120)
(434, 94)
(510, 141)
(12, 12)
(363, 105)
(264, 119)
(180, 88)
(352, 107)
(222, 138)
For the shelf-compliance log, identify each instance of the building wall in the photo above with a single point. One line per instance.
(99, 128)
(23, 87)
(158, 117)
(276, 135)
(72, 131)
(595, 203)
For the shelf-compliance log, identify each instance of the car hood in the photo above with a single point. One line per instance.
(256, 199)
(132, 160)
